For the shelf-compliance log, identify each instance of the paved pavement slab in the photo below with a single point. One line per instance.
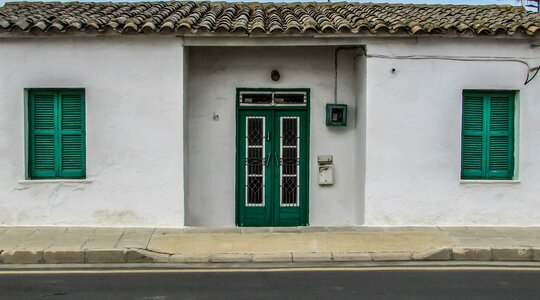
(135, 238)
(41, 238)
(279, 244)
(4, 229)
(469, 242)
(13, 237)
(71, 239)
(458, 232)
(293, 242)
(525, 241)
(498, 242)
(104, 238)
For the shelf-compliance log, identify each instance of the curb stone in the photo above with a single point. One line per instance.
(230, 257)
(21, 257)
(190, 258)
(536, 254)
(351, 256)
(435, 254)
(311, 256)
(272, 257)
(63, 257)
(480, 253)
(521, 254)
(105, 256)
(391, 256)
(512, 254)
(145, 256)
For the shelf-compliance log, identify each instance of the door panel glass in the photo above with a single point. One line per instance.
(289, 163)
(255, 161)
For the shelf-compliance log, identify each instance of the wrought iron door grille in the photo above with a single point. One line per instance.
(290, 161)
(255, 161)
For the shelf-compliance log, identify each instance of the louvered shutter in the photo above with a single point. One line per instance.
(500, 156)
(43, 155)
(473, 162)
(71, 134)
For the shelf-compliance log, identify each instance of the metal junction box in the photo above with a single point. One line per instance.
(336, 114)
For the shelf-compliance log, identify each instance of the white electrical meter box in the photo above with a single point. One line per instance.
(326, 169)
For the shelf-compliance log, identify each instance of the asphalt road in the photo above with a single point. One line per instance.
(307, 284)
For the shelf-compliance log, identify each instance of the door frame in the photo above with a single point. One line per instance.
(289, 107)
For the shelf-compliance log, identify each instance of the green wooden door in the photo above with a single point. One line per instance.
(272, 168)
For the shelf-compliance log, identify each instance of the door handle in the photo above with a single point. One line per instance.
(268, 136)
(268, 159)
(277, 159)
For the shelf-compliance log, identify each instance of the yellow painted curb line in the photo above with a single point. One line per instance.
(269, 270)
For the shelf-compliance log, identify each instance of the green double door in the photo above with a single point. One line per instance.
(272, 173)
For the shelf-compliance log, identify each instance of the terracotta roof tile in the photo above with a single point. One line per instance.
(270, 18)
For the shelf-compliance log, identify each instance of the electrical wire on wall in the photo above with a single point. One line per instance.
(535, 73)
(528, 79)
(464, 58)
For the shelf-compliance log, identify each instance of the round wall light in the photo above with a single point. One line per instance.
(275, 75)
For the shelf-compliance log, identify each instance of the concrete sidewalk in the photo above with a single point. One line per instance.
(50, 245)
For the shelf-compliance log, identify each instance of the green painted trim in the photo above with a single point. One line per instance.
(300, 210)
(57, 132)
(236, 160)
(245, 89)
(304, 218)
(273, 107)
(486, 173)
(33, 173)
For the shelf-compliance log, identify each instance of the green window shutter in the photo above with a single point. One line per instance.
(42, 122)
(501, 137)
(71, 134)
(56, 134)
(473, 163)
(488, 136)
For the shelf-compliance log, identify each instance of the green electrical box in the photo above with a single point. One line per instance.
(336, 114)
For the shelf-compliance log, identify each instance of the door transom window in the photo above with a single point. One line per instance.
(264, 98)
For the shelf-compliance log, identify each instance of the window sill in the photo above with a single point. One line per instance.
(54, 181)
(483, 181)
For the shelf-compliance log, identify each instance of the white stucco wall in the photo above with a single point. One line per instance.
(413, 135)
(396, 163)
(214, 75)
(134, 109)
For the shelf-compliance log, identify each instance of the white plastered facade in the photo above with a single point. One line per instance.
(413, 135)
(134, 144)
(156, 156)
